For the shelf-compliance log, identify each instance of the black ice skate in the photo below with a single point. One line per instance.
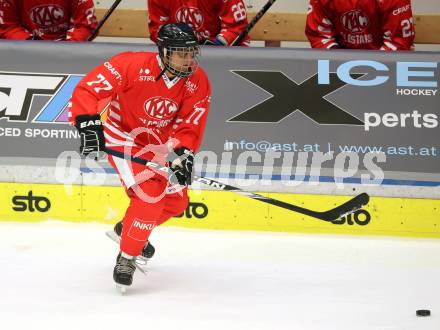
(148, 250)
(140, 261)
(123, 272)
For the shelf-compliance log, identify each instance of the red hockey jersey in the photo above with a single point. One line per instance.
(208, 18)
(143, 111)
(72, 20)
(361, 24)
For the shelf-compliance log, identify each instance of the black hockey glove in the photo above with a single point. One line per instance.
(34, 36)
(182, 164)
(91, 132)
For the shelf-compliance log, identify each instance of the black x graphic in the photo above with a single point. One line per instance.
(307, 97)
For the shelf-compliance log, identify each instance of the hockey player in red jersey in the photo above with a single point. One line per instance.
(361, 24)
(158, 110)
(70, 20)
(218, 21)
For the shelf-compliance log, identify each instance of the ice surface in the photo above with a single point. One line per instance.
(57, 275)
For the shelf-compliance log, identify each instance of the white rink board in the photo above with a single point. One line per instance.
(47, 175)
(419, 6)
(59, 276)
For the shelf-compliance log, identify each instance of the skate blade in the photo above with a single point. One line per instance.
(140, 266)
(112, 235)
(122, 289)
(141, 261)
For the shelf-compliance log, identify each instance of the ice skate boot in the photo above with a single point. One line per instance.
(123, 272)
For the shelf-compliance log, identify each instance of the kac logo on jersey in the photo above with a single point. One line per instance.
(160, 108)
(191, 16)
(46, 16)
(355, 21)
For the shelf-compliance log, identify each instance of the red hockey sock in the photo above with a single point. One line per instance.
(141, 217)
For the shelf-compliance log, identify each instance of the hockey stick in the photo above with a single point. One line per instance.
(103, 20)
(248, 27)
(348, 207)
(252, 23)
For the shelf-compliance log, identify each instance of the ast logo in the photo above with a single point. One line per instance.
(191, 16)
(160, 108)
(17, 92)
(47, 15)
(355, 21)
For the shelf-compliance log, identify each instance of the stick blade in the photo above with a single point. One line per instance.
(348, 207)
(209, 43)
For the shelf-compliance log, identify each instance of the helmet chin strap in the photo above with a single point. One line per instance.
(164, 50)
(161, 73)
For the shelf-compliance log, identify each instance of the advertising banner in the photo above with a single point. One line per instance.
(224, 210)
(276, 114)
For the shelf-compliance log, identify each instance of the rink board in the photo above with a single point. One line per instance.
(223, 210)
(276, 114)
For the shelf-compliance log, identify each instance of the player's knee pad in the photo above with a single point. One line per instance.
(142, 209)
(174, 205)
(179, 206)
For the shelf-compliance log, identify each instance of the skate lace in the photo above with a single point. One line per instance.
(125, 266)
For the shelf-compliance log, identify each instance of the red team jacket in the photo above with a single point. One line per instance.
(72, 20)
(361, 24)
(167, 109)
(208, 18)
